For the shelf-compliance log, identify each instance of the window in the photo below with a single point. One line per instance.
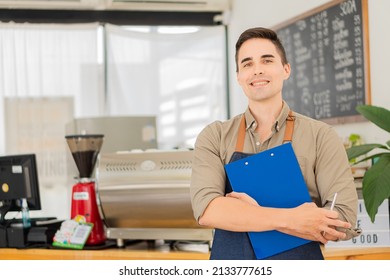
(176, 73)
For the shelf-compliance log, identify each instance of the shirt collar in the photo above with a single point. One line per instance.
(280, 120)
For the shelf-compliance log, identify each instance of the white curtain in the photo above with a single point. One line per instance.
(177, 76)
(50, 60)
(45, 60)
(42, 60)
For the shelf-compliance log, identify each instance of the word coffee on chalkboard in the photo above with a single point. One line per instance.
(326, 50)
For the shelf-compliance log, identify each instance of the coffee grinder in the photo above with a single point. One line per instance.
(85, 149)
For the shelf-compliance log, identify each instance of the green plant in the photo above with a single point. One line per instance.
(376, 180)
(354, 139)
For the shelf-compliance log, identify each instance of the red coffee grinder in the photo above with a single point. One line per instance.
(85, 149)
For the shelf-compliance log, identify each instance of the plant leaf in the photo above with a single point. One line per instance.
(376, 182)
(378, 115)
(355, 151)
(369, 158)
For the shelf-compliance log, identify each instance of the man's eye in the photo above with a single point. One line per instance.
(267, 61)
(247, 64)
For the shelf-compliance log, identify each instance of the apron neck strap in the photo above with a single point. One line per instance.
(241, 135)
(288, 133)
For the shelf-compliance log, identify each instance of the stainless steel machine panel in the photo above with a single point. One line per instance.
(145, 195)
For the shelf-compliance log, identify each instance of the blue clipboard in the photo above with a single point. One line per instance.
(274, 179)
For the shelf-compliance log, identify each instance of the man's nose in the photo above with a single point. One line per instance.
(258, 69)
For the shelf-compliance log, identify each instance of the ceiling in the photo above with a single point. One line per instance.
(134, 5)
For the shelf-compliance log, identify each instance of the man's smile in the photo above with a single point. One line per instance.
(259, 83)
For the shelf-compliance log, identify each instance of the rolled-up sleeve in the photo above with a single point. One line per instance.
(334, 176)
(208, 174)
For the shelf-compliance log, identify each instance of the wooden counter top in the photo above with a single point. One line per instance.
(371, 253)
(152, 254)
(106, 254)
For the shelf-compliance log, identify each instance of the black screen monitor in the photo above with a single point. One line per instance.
(18, 180)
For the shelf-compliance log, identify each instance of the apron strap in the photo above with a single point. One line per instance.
(288, 133)
(241, 135)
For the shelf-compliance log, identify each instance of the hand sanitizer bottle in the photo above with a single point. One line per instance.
(25, 214)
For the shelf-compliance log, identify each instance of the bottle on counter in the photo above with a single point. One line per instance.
(25, 214)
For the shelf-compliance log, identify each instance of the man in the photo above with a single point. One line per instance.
(262, 67)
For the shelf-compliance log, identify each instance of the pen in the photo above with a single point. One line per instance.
(332, 206)
(333, 201)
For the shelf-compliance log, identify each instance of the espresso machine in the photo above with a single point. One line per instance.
(85, 149)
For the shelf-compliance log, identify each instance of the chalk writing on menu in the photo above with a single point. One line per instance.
(326, 53)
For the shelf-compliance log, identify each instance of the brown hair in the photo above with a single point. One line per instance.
(263, 33)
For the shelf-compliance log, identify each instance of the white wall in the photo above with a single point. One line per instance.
(250, 13)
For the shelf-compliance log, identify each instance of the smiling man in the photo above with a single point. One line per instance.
(262, 68)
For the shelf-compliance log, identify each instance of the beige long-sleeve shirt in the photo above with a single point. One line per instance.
(319, 150)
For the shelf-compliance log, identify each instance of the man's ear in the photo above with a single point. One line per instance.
(287, 70)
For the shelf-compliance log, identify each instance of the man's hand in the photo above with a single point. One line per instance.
(242, 196)
(313, 223)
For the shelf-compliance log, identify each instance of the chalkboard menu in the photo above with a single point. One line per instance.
(328, 52)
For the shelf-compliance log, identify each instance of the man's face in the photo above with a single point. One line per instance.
(260, 70)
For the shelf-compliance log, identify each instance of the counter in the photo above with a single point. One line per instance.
(154, 254)
(107, 254)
